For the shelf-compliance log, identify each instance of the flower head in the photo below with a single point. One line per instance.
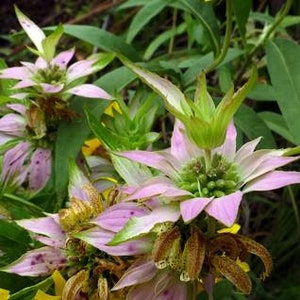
(211, 181)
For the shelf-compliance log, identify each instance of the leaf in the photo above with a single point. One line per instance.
(262, 92)
(253, 126)
(144, 15)
(277, 124)
(242, 11)
(284, 71)
(162, 38)
(101, 39)
(29, 292)
(205, 14)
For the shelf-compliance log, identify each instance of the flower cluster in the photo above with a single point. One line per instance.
(132, 222)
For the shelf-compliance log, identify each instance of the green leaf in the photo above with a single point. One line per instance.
(50, 42)
(242, 11)
(174, 98)
(29, 292)
(70, 138)
(101, 39)
(277, 124)
(205, 14)
(162, 38)
(253, 126)
(262, 92)
(284, 69)
(144, 15)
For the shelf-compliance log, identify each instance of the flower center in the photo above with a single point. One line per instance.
(52, 74)
(218, 179)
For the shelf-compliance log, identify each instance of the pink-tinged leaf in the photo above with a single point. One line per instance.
(142, 225)
(139, 272)
(181, 147)
(40, 169)
(40, 63)
(51, 88)
(38, 262)
(13, 124)
(19, 96)
(80, 69)
(62, 59)
(272, 180)
(20, 73)
(115, 217)
(24, 83)
(90, 91)
(270, 163)
(155, 187)
(229, 146)
(175, 99)
(32, 30)
(225, 209)
(191, 208)
(157, 160)
(20, 108)
(5, 138)
(99, 238)
(246, 150)
(46, 226)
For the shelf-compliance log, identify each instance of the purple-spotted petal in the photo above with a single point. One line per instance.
(115, 217)
(99, 238)
(46, 226)
(37, 262)
(40, 169)
(272, 180)
(139, 272)
(63, 58)
(15, 73)
(90, 91)
(225, 209)
(191, 208)
(20, 108)
(40, 63)
(52, 88)
(24, 83)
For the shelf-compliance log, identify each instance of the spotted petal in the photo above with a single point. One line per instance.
(15, 73)
(225, 209)
(37, 262)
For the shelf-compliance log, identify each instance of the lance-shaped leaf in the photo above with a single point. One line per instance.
(33, 31)
(174, 98)
(139, 226)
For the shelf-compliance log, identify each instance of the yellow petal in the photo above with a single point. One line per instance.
(4, 294)
(113, 106)
(90, 146)
(40, 295)
(233, 229)
(59, 283)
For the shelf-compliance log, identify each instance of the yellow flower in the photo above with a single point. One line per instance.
(4, 294)
(90, 146)
(233, 229)
(113, 106)
(59, 284)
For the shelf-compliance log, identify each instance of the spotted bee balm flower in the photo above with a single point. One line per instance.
(211, 181)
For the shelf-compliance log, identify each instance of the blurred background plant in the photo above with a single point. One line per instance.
(176, 39)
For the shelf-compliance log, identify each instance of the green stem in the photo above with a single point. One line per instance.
(207, 157)
(280, 16)
(295, 207)
(174, 20)
(227, 38)
(211, 226)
